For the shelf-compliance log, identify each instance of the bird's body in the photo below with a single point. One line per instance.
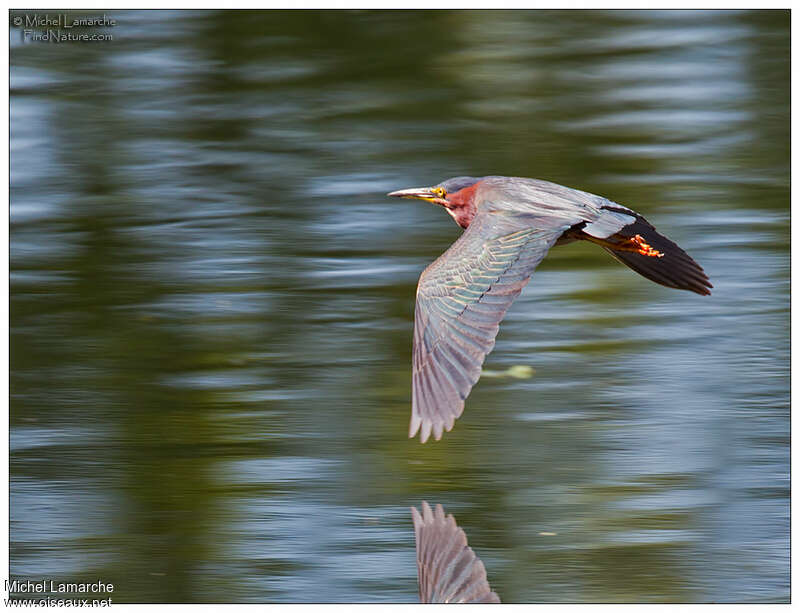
(510, 225)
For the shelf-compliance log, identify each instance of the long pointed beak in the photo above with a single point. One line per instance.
(420, 193)
(414, 192)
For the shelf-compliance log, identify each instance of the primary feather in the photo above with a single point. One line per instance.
(447, 568)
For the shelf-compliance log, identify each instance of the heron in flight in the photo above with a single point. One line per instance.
(447, 568)
(511, 223)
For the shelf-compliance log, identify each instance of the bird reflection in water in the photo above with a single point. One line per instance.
(447, 568)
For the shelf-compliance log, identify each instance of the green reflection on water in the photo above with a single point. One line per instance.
(211, 305)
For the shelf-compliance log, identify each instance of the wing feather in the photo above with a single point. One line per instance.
(461, 299)
(447, 568)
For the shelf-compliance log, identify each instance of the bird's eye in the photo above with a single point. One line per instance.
(440, 192)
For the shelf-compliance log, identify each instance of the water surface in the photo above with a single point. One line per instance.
(212, 305)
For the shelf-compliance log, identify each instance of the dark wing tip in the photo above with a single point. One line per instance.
(674, 268)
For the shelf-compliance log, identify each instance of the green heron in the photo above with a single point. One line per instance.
(447, 568)
(511, 223)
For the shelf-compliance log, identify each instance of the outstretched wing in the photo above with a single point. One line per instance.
(461, 299)
(447, 568)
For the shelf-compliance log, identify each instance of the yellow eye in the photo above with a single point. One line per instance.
(440, 192)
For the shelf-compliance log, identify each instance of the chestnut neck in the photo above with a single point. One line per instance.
(461, 205)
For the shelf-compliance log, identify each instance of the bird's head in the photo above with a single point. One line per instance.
(456, 195)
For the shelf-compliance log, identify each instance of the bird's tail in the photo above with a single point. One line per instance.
(640, 247)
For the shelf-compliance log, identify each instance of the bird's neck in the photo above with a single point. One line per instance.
(461, 205)
(462, 215)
